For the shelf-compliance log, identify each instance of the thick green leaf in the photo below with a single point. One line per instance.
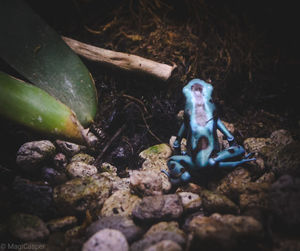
(30, 106)
(37, 52)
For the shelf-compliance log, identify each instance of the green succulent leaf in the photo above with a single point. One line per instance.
(30, 106)
(37, 52)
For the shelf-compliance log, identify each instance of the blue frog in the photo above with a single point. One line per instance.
(200, 129)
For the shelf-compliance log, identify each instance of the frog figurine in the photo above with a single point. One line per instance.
(200, 129)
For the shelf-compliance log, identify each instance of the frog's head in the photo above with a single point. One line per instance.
(198, 88)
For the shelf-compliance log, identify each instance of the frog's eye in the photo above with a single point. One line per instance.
(172, 166)
(182, 170)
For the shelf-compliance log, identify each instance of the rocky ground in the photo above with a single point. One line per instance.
(73, 205)
(55, 196)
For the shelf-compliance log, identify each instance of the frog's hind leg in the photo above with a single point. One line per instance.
(225, 157)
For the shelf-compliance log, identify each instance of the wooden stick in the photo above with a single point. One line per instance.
(121, 60)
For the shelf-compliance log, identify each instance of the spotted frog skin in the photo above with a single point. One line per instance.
(200, 129)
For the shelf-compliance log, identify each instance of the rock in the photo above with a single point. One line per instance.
(83, 157)
(156, 160)
(190, 187)
(123, 224)
(285, 203)
(121, 202)
(266, 178)
(53, 176)
(224, 232)
(245, 227)
(146, 183)
(286, 160)
(171, 226)
(81, 169)
(281, 137)
(255, 145)
(161, 151)
(32, 154)
(191, 201)
(159, 207)
(234, 183)
(80, 194)
(211, 234)
(60, 162)
(27, 227)
(33, 198)
(155, 238)
(106, 239)
(280, 244)
(255, 195)
(166, 245)
(106, 167)
(73, 233)
(117, 182)
(213, 202)
(61, 224)
(68, 148)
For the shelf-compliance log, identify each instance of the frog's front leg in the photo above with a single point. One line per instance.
(223, 158)
(179, 168)
(177, 142)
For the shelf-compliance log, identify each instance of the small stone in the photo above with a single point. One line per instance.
(155, 238)
(159, 207)
(285, 203)
(73, 233)
(106, 239)
(32, 154)
(286, 160)
(233, 184)
(286, 244)
(33, 198)
(107, 167)
(211, 234)
(191, 201)
(161, 151)
(190, 187)
(165, 245)
(146, 183)
(68, 148)
(27, 227)
(266, 178)
(281, 137)
(224, 232)
(61, 224)
(83, 157)
(214, 202)
(53, 176)
(245, 227)
(60, 161)
(81, 169)
(121, 202)
(171, 226)
(80, 194)
(255, 145)
(124, 224)
(117, 182)
(255, 195)
(158, 162)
